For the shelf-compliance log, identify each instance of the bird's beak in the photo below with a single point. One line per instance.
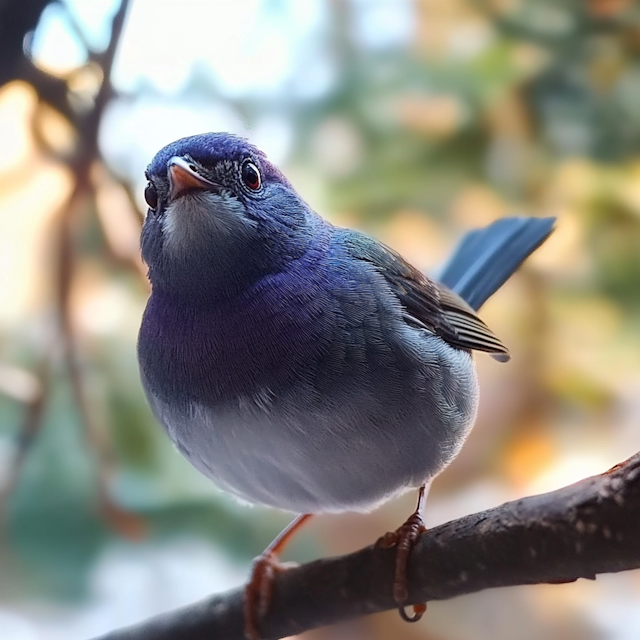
(184, 177)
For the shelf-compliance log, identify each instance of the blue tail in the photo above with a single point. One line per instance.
(486, 258)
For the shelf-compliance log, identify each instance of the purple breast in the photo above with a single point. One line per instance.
(262, 338)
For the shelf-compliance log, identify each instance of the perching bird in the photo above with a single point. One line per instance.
(298, 364)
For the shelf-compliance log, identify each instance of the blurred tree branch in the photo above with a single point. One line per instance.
(82, 195)
(582, 530)
(18, 20)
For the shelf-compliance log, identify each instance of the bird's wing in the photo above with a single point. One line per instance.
(426, 304)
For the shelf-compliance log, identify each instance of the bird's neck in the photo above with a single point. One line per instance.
(205, 279)
(217, 269)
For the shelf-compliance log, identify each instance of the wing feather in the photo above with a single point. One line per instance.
(427, 304)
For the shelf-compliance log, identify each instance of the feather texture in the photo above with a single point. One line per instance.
(427, 304)
(299, 365)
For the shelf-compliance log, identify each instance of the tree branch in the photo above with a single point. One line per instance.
(579, 531)
(19, 18)
(126, 522)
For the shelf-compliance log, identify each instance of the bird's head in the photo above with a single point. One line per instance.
(220, 216)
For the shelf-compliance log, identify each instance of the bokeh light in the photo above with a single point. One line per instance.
(414, 120)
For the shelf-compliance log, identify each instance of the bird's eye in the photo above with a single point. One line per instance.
(151, 196)
(251, 176)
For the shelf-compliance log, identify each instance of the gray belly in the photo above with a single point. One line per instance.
(346, 446)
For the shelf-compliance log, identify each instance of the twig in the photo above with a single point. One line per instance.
(89, 134)
(123, 520)
(54, 91)
(586, 529)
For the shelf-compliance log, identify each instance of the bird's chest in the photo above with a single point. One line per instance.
(237, 348)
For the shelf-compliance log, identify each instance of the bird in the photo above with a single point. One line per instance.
(302, 365)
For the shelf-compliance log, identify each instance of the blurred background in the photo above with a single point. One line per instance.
(413, 120)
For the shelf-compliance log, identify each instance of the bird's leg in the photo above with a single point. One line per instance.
(403, 539)
(259, 589)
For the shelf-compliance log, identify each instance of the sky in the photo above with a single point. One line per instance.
(247, 46)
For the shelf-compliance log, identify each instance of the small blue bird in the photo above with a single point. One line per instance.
(301, 365)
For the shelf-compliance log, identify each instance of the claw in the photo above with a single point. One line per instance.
(404, 539)
(259, 589)
(258, 593)
(418, 611)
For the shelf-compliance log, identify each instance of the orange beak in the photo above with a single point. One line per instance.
(183, 177)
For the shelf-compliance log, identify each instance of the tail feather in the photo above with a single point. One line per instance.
(486, 258)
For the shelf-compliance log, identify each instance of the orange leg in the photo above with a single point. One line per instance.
(403, 539)
(259, 589)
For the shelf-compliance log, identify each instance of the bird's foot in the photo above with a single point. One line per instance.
(259, 591)
(404, 539)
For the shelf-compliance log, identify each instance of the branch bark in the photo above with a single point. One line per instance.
(582, 530)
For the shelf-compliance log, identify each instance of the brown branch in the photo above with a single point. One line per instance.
(78, 201)
(51, 90)
(91, 127)
(126, 522)
(588, 528)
